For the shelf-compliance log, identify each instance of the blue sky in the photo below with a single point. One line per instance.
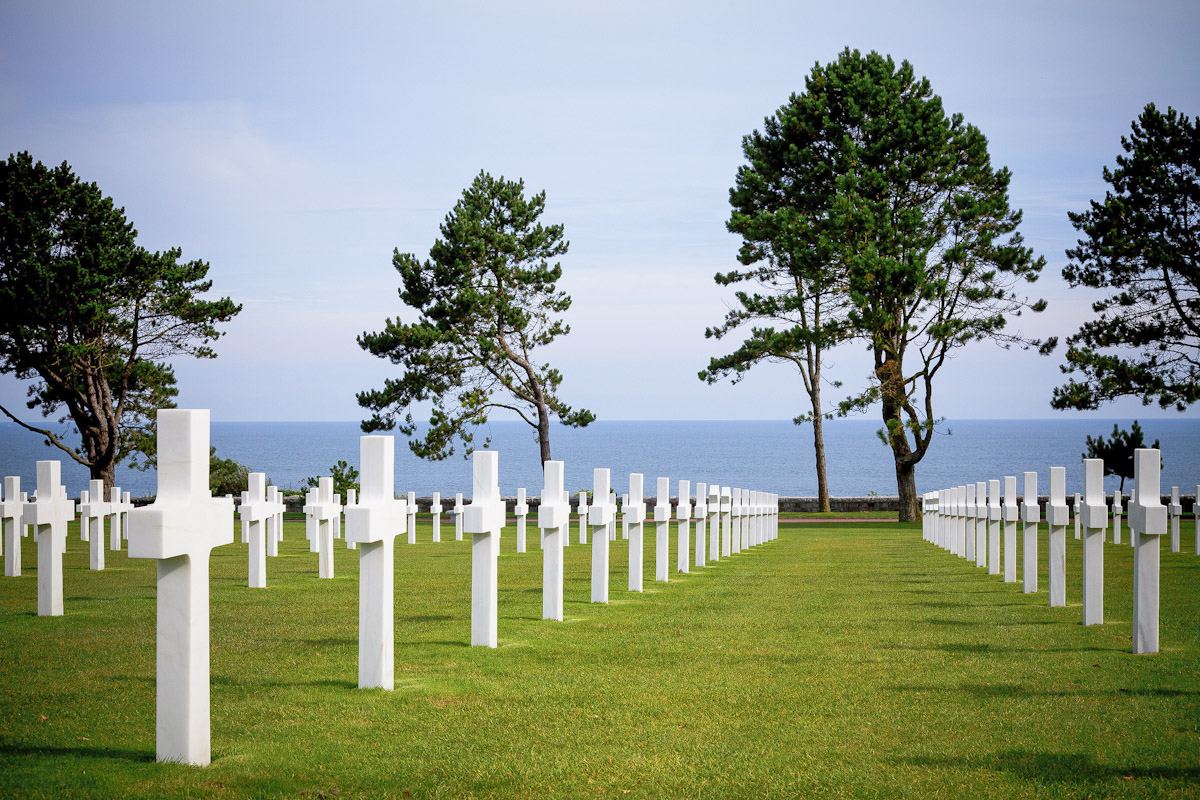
(294, 145)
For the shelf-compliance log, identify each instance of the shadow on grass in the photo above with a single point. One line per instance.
(82, 752)
(425, 618)
(1056, 767)
(1003, 690)
(331, 683)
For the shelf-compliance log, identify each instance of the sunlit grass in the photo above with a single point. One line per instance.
(840, 660)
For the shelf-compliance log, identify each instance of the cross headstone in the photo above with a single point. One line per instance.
(969, 522)
(551, 519)
(726, 521)
(521, 510)
(1175, 510)
(458, 517)
(600, 517)
(1116, 512)
(981, 515)
(373, 523)
(351, 500)
(736, 511)
(1076, 509)
(483, 519)
(179, 530)
(255, 511)
(949, 516)
(274, 520)
(12, 522)
(714, 522)
(412, 517)
(612, 521)
(1031, 515)
(662, 529)
(701, 514)
(582, 509)
(1147, 522)
(114, 513)
(1056, 519)
(624, 521)
(245, 498)
(1094, 518)
(943, 520)
(635, 513)
(435, 511)
(995, 515)
(49, 513)
(329, 517)
(1012, 513)
(310, 519)
(683, 515)
(566, 531)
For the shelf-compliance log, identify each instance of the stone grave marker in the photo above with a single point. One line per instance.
(736, 512)
(600, 517)
(412, 517)
(635, 514)
(1147, 522)
(521, 509)
(1094, 520)
(329, 518)
(274, 520)
(255, 511)
(662, 529)
(981, 515)
(1056, 519)
(683, 516)
(114, 518)
(1075, 512)
(458, 512)
(12, 523)
(49, 513)
(969, 522)
(995, 514)
(1012, 513)
(351, 500)
(179, 530)
(714, 522)
(726, 522)
(612, 520)
(1031, 515)
(624, 521)
(484, 519)
(1116, 512)
(372, 523)
(310, 519)
(553, 518)
(701, 514)
(1175, 510)
(435, 510)
(582, 509)
(566, 534)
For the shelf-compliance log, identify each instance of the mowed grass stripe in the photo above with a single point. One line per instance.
(841, 660)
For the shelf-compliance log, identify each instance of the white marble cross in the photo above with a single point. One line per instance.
(372, 524)
(726, 521)
(274, 520)
(1175, 510)
(600, 517)
(582, 508)
(1031, 515)
(11, 520)
(662, 529)
(701, 514)
(255, 511)
(49, 513)
(635, 515)
(435, 521)
(483, 519)
(1094, 518)
(179, 530)
(328, 513)
(1056, 519)
(949, 517)
(683, 515)
(94, 510)
(1147, 522)
(624, 520)
(714, 522)
(310, 519)
(1012, 514)
(566, 532)
(1116, 512)
(116, 510)
(995, 515)
(551, 519)
(351, 500)
(736, 514)
(969, 523)
(458, 517)
(1076, 511)
(612, 521)
(412, 517)
(521, 510)
(981, 524)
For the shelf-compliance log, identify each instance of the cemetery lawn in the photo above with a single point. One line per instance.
(843, 660)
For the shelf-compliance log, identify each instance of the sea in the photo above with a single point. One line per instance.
(773, 456)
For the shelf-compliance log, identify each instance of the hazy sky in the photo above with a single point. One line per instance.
(294, 145)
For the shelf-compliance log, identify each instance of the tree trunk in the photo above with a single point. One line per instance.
(819, 447)
(891, 394)
(543, 430)
(906, 487)
(107, 473)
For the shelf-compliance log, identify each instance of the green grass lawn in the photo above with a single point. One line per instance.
(841, 660)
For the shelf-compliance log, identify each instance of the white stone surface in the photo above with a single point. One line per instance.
(115, 513)
(1116, 512)
(49, 513)
(329, 519)
(582, 509)
(995, 516)
(553, 517)
(683, 516)
(969, 511)
(1175, 510)
(458, 517)
(1056, 520)
(1077, 511)
(484, 519)
(635, 515)
(612, 520)
(1094, 519)
(351, 500)
(411, 507)
(179, 530)
(566, 531)
(435, 522)
(372, 524)
(981, 515)
(1147, 522)
(274, 520)
(1011, 515)
(714, 522)
(701, 515)
(726, 521)
(521, 510)
(310, 519)
(600, 517)
(1030, 517)
(12, 522)
(624, 522)
(736, 512)
(662, 529)
(254, 512)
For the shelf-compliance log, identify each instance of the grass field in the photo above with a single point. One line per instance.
(842, 660)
